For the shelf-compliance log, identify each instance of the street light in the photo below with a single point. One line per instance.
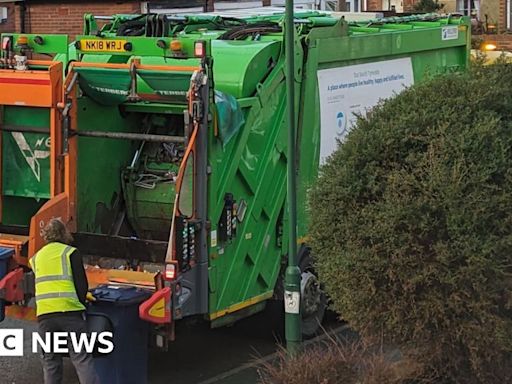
(292, 276)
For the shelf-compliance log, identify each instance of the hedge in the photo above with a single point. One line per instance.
(412, 232)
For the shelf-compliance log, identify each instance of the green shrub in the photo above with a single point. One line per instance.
(428, 6)
(412, 232)
(339, 361)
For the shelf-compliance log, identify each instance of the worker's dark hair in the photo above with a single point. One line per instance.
(56, 231)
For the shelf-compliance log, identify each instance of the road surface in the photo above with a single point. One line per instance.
(198, 356)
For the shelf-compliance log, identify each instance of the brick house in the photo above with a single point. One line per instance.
(52, 16)
(499, 14)
(494, 12)
(59, 16)
(7, 12)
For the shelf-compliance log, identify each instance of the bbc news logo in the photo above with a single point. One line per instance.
(12, 342)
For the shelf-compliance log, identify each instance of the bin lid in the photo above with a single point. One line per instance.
(6, 253)
(120, 295)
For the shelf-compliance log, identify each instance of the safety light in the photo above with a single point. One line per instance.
(170, 271)
(199, 49)
(22, 40)
(176, 46)
(489, 47)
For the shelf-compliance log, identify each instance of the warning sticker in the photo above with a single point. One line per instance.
(291, 302)
(214, 238)
(450, 33)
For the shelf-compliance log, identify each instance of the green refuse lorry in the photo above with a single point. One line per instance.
(161, 140)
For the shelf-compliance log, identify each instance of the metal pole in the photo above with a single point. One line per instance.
(292, 277)
(101, 134)
(132, 136)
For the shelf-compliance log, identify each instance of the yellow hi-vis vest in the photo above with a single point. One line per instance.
(55, 288)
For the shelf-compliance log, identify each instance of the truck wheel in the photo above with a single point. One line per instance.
(313, 298)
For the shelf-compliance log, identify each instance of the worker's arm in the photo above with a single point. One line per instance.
(79, 276)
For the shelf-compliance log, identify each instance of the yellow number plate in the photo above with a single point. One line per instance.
(88, 45)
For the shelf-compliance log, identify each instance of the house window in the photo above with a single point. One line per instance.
(192, 6)
(3, 14)
(469, 7)
(171, 7)
(393, 5)
(302, 4)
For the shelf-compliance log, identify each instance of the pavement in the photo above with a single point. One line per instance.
(199, 355)
(27, 369)
(250, 371)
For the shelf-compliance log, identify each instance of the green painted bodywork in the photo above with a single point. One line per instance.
(256, 58)
(26, 156)
(26, 164)
(256, 172)
(51, 44)
(251, 167)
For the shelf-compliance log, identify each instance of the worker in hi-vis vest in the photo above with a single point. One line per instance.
(61, 289)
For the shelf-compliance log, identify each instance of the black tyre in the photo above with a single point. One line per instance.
(313, 298)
